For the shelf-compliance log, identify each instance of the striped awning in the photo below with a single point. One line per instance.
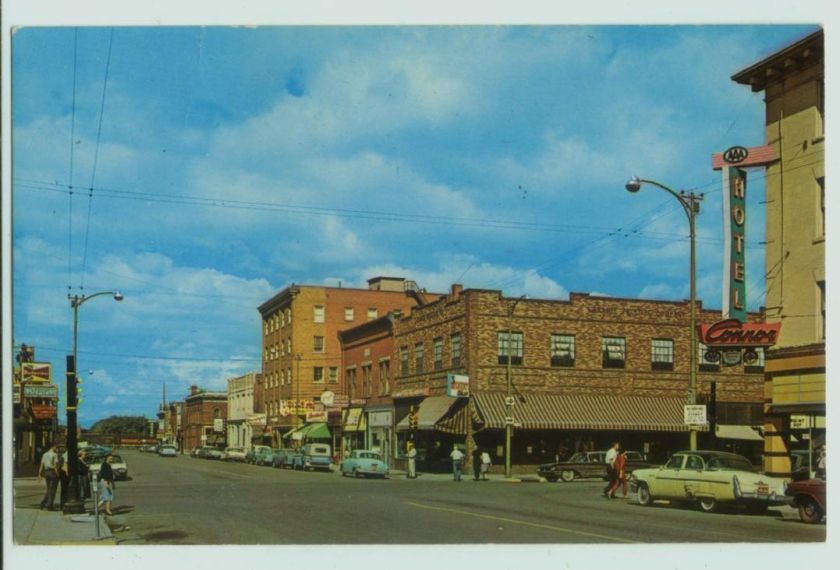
(551, 411)
(457, 422)
(430, 411)
(746, 433)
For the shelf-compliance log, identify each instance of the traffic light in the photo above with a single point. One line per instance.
(412, 419)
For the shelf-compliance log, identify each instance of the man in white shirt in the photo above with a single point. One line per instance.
(48, 470)
(457, 457)
(612, 453)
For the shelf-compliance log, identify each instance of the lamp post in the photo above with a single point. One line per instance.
(509, 398)
(75, 505)
(690, 203)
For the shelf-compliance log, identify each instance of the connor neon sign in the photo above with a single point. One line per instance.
(733, 333)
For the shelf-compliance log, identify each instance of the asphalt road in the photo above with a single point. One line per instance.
(196, 501)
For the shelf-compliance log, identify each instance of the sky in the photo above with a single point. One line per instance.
(229, 162)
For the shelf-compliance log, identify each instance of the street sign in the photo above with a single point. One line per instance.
(694, 415)
(458, 385)
(509, 421)
(509, 400)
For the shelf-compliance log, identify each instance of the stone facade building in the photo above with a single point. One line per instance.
(244, 421)
(793, 81)
(583, 372)
(301, 352)
(205, 414)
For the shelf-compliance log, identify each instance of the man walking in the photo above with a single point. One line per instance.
(457, 457)
(612, 476)
(49, 472)
(412, 461)
(476, 463)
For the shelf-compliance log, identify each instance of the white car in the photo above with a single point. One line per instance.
(234, 454)
(168, 451)
(118, 465)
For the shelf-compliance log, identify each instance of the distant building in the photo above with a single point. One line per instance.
(206, 413)
(243, 422)
(793, 81)
(301, 352)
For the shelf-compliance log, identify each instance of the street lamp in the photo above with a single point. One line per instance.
(690, 203)
(75, 505)
(509, 398)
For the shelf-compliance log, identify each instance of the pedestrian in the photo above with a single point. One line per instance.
(106, 477)
(412, 461)
(63, 475)
(457, 457)
(620, 475)
(476, 463)
(485, 465)
(48, 470)
(609, 459)
(84, 477)
(821, 463)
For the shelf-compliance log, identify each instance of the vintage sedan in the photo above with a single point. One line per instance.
(282, 458)
(260, 455)
(234, 454)
(363, 463)
(809, 497)
(118, 466)
(168, 451)
(710, 479)
(587, 464)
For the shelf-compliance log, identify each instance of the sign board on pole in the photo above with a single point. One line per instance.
(36, 372)
(695, 415)
(40, 391)
(458, 385)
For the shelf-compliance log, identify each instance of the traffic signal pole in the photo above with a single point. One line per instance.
(74, 504)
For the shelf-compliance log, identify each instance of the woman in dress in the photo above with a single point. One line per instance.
(106, 477)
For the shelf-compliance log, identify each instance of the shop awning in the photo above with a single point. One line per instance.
(431, 410)
(354, 420)
(551, 411)
(456, 423)
(317, 430)
(745, 433)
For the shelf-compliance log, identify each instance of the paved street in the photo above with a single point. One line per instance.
(195, 501)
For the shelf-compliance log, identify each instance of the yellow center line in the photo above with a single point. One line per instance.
(521, 522)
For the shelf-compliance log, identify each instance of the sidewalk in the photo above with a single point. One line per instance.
(32, 526)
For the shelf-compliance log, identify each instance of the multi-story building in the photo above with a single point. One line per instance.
(244, 422)
(583, 372)
(34, 409)
(793, 81)
(366, 357)
(205, 414)
(301, 352)
(176, 423)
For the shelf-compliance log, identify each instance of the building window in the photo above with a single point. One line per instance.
(279, 320)
(404, 361)
(373, 313)
(282, 377)
(562, 350)
(265, 327)
(418, 357)
(318, 374)
(288, 316)
(289, 375)
(367, 380)
(318, 313)
(455, 346)
(217, 413)
(349, 314)
(384, 377)
(705, 365)
(318, 344)
(754, 365)
(438, 353)
(612, 349)
(333, 375)
(350, 379)
(821, 229)
(514, 347)
(661, 354)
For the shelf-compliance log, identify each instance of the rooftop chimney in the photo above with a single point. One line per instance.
(193, 390)
(456, 290)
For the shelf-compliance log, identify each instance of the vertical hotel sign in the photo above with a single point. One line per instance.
(732, 162)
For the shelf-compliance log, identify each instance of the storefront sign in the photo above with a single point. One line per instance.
(694, 415)
(218, 425)
(734, 236)
(42, 412)
(36, 372)
(16, 394)
(317, 416)
(352, 419)
(732, 333)
(411, 393)
(458, 385)
(380, 419)
(296, 407)
(40, 391)
(327, 398)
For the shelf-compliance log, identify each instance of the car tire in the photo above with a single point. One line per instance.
(643, 495)
(567, 475)
(809, 511)
(357, 474)
(707, 504)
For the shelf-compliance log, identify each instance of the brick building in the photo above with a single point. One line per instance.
(301, 352)
(202, 410)
(366, 353)
(584, 371)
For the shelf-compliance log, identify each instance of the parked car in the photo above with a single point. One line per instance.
(588, 464)
(118, 465)
(809, 498)
(316, 457)
(363, 463)
(168, 451)
(709, 479)
(233, 454)
(262, 455)
(215, 453)
(282, 458)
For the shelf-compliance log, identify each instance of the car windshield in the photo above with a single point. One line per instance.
(117, 459)
(368, 455)
(634, 456)
(739, 463)
(578, 458)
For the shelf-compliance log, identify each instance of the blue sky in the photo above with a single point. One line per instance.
(228, 162)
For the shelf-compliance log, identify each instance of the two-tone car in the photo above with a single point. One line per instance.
(233, 454)
(118, 466)
(363, 463)
(316, 457)
(709, 479)
(588, 464)
(260, 455)
(809, 497)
